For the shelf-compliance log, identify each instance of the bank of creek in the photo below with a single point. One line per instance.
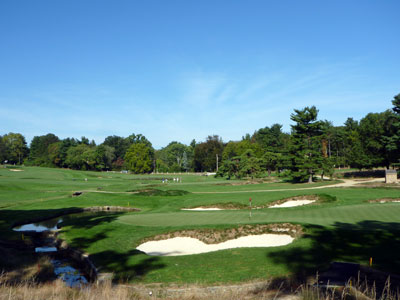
(71, 265)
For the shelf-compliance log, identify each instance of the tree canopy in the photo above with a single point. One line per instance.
(138, 158)
(305, 151)
(312, 147)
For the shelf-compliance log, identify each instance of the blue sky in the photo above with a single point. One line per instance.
(183, 70)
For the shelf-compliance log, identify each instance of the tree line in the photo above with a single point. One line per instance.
(312, 147)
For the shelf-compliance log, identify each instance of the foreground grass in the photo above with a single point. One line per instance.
(348, 228)
(256, 290)
(58, 291)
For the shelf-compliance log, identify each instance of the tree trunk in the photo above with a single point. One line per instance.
(329, 148)
(310, 178)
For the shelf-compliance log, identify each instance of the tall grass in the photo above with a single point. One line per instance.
(271, 290)
(355, 289)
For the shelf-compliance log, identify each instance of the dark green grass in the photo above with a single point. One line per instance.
(347, 222)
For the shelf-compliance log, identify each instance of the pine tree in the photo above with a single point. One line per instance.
(393, 141)
(305, 152)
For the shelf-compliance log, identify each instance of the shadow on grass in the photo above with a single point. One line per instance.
(125, 265)
(344, 242)
(132, 265)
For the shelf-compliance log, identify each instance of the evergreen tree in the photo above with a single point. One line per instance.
(250, 165)
(270, 161)
(230, 167)
(393, 139)
(306, 155)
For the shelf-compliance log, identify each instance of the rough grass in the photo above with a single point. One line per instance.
(281, 289)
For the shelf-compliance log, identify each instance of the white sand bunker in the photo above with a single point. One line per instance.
(202, 208)
(292, 203)
(394, 201)
(15, 170)
(185, 245)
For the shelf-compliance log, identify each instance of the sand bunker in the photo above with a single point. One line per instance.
(186, 246)
(292, 203)
(15, 170)
(202, 208)
(385, 200)
(394, 201)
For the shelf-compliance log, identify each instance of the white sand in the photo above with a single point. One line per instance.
(186, 246)
(292, 203)
(15, 170)
(383, 201)
(202, 208)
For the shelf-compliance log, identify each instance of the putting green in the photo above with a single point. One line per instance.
(389, 212)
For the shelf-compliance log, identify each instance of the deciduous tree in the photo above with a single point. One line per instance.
(205, 154)
(138, 158)
(39, 154)
(16, 146)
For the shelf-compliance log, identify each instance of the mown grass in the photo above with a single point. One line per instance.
(110, 239)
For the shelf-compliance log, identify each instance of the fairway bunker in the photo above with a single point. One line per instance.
(196, 241)
(188, 246)
(217, 206)
(302, 200)
(293, 203)
(386, 200)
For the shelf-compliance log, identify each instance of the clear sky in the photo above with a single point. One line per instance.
(183, 70)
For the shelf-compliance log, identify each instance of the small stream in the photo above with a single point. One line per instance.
(63, 268)
(48, 225)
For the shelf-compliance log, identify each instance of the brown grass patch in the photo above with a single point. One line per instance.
(106, 291)
(254, 181)
(40, 271)
(277, 289)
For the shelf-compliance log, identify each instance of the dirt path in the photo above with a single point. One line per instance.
(346, 183)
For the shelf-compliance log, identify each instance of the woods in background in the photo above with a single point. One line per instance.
(313, 147)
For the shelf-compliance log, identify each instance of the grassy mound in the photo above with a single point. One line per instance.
(226, 205)
(318, 198)
(156, 192)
